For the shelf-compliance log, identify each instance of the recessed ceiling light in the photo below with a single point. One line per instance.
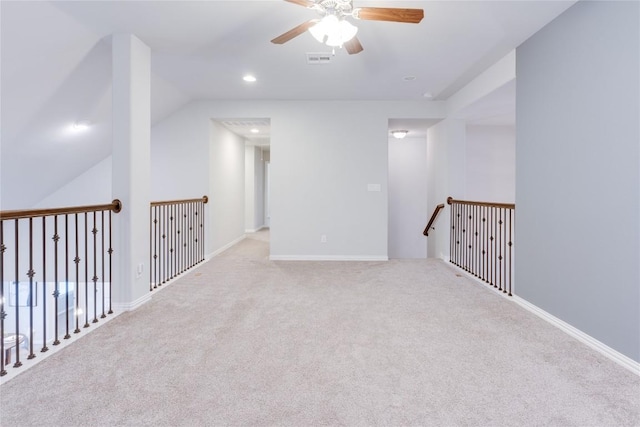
(427, 95)
(409, 78)
(80, 126)
(399, 134)
(249, 78)
(255, 130)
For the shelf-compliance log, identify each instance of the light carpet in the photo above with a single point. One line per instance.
(244, 341)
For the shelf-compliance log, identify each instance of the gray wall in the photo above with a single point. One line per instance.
(577, 171)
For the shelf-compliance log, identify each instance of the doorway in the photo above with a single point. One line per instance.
(407, 197)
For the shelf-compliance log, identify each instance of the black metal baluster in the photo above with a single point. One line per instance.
(102, 252)
(94, 231)
(77, 260)
(86, 271)
(501, 246)
(3, 313)
(152, 255)
(184, 234)
(510, 249)
(56, 290)
(485, 244)
(476, 245)
(202, 231)
(189, 235)
(491, 240)
(66, 270)
(44, 285)
(495, 248)
(174, 245)
(162, 251)
(110, 266)
(31, 298)
(18, 363)
(466, 239)
(179, 237)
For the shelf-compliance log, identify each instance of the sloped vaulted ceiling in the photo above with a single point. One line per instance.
(56, 66)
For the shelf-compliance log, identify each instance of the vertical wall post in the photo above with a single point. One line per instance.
(131, 169)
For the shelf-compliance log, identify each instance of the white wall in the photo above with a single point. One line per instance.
(226, 186)
(578, 179)
(93, 187)
(249, 188)
(254, 189)
(179, 157)
(446, 162)
(324, 156)
(407, 197)
(491, 164)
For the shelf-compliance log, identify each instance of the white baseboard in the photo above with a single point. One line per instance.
(255, 230)
(53, 349)
(130, 306)
(327, 258)
(588, 340)
(225, 247)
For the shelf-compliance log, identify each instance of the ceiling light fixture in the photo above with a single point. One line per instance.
(255, 130)
(399, 134)
(249, 78)
(333, 31)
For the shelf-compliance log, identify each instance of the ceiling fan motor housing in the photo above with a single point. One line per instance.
(339, 8)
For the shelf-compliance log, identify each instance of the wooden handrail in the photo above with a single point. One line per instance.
(436, 211)
(450, 201)
(203, 199)
(115, 206)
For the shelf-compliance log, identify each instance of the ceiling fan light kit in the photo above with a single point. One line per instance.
(334, 30)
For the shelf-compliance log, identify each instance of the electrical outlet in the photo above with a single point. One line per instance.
(323, 238)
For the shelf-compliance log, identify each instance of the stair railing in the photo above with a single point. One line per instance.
(177, 238)
(433, 218)
(55, 275)
(481, 242)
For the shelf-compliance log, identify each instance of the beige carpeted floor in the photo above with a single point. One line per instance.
(243, 341)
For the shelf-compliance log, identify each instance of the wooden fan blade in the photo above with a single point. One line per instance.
(305, 3)
(294, 32)
(353, 46)
(412, 16)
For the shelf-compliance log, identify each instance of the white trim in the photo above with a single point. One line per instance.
(130, 306)
(328, 258)
(225, 247)
(255, 230)
(584, 338)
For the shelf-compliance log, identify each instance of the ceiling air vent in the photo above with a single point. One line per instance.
(319, 58)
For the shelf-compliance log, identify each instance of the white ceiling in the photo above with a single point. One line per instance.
(56, 63)
(204, 47)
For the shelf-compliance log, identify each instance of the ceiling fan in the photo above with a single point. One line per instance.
(334, 30)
